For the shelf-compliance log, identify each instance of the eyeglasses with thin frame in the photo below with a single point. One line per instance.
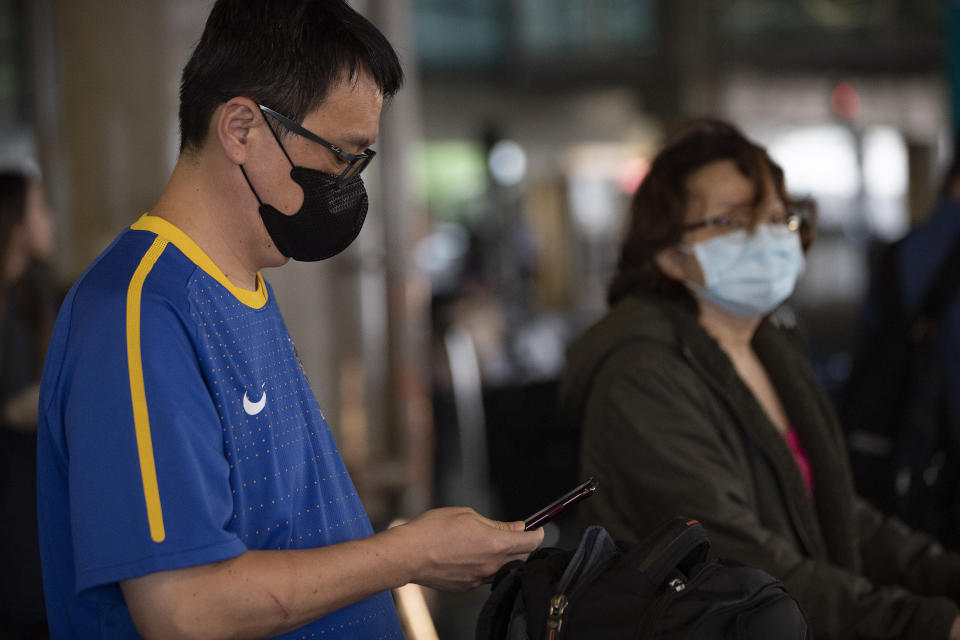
(789, 221)
(356, 162)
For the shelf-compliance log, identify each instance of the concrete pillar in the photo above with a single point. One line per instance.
(106, 79)
(692, 84)
(409, 416)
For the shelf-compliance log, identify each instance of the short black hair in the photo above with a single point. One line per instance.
(286, 54)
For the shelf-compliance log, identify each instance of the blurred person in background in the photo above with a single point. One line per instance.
(694, 399)
(901, 403)
(189, 485)
(28, 304)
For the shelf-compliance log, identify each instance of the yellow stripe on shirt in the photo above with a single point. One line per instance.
(255, 299)
(141, 417)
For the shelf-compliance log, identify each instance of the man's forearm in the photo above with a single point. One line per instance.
(265, 593)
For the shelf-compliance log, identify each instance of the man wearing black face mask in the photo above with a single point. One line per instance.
(334, 205)
(188, 483)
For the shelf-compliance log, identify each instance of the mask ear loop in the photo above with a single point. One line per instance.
(250, 184)
(277, 138)
(285, 155)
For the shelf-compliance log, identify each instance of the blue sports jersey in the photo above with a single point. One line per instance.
(177, 429)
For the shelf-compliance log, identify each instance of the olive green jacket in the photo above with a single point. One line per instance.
(670, 428)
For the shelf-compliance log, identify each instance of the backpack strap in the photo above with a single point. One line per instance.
(595, 547)
(495, 616)
(521, 588)
(676, 543)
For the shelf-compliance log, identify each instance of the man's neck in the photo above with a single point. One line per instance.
(208, 213)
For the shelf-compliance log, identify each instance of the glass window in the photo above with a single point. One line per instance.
(483, 34)
(744, 18)
(545, 27)
(460, 34)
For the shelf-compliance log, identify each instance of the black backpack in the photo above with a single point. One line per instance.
(662, 588)
(903, 440)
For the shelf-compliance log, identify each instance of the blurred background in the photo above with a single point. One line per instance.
(505, 169)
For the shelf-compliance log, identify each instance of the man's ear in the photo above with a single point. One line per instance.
(233, 123)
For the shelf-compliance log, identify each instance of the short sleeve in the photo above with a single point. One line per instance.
(149, 484)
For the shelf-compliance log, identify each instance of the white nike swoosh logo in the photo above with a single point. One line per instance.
(253, 408)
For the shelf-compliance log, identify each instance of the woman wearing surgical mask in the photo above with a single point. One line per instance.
(694, 399)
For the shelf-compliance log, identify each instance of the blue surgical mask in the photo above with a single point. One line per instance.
(748, 273)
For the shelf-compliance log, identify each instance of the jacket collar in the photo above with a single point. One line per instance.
(826, 527)
(815, 421)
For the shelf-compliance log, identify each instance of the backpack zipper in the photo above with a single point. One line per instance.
(671, 591)
(587, 569)
(558, 605)
(560, 601)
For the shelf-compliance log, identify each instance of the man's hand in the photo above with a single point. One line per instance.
(456, 548)
(955, 630)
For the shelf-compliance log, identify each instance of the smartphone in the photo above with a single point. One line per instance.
(550, 511)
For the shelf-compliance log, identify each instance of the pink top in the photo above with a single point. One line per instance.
(801, 457)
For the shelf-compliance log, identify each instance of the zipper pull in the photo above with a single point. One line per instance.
(677, 584)
(558, 604)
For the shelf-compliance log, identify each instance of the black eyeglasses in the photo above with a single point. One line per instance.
(356, 162)
(789, 221)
